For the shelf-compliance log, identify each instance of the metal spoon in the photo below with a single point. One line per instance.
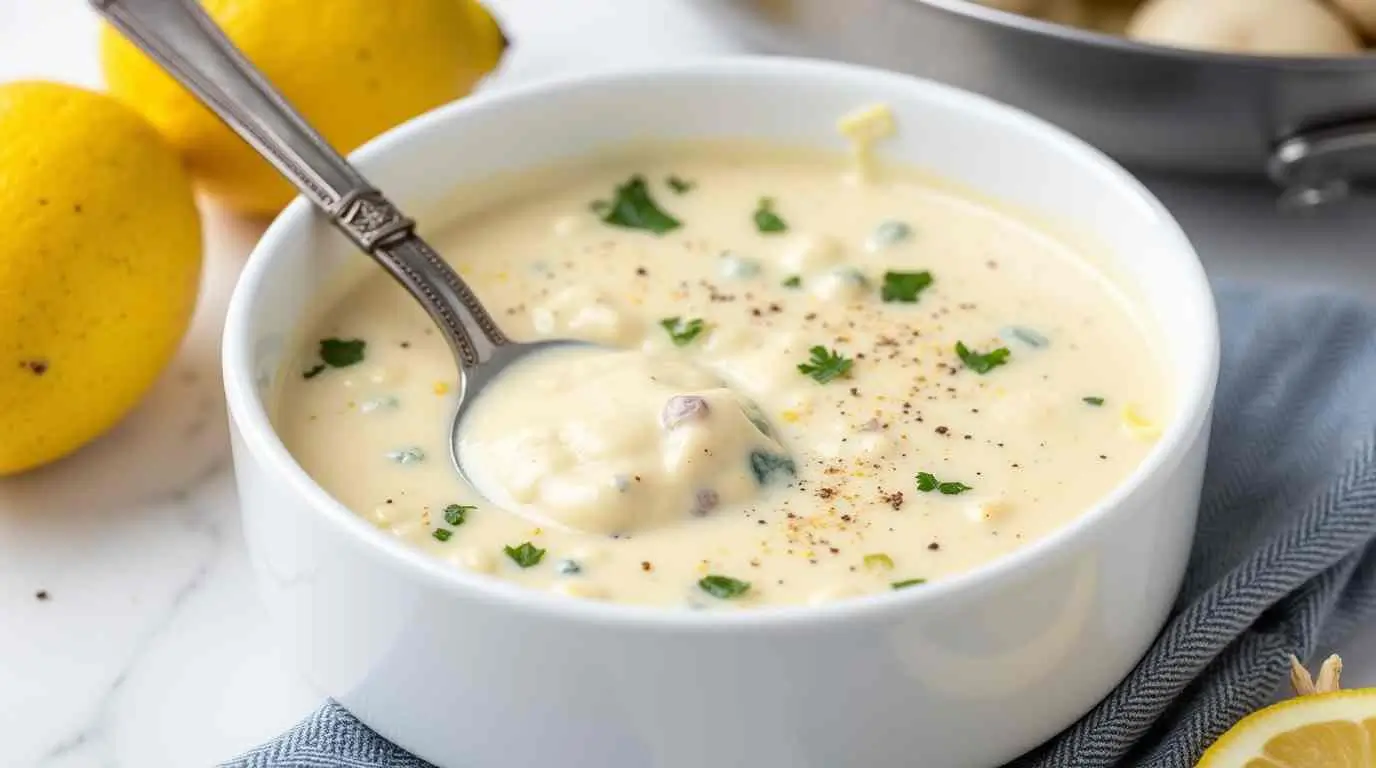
(182, 39)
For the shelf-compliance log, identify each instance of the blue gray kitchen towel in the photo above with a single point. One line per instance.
(1283, 562)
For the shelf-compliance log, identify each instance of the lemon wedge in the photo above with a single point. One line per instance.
(1329, 728)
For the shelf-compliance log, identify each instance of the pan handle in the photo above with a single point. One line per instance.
(1325, 165)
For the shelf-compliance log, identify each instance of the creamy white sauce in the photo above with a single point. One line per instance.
(614, 442)
(909, 465)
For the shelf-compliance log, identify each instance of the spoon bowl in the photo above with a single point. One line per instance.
(474, 379)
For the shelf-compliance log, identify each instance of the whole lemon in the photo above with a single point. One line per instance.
(354, 68)
(99, 266)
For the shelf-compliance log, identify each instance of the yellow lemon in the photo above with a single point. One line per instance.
(1322, 730)
(99, 266)
(354, 68)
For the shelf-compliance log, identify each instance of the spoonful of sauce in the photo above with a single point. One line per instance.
(183, 40)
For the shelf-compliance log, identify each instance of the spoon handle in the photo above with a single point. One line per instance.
(183, 40)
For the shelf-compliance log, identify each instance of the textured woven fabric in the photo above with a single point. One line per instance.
(1283, 561)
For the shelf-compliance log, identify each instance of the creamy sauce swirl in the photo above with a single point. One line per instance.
(938, 383)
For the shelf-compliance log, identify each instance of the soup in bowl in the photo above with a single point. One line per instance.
(886, 427)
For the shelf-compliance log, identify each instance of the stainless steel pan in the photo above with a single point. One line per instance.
(1308, 124)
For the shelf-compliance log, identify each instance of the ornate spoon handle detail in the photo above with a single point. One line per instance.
(184, 41)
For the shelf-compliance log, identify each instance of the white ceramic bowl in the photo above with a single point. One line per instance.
(469, 671)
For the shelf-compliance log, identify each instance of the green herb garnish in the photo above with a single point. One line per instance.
(456, 514)
(903, 287)
(927, 482)
(907, 583)
(342, 353)
(683, 331)
(442, 534)
(679, 185)
(793, 281)
(632, 207)
(766, 220)
(723, 587)
(1094, 401)
(766, 465)
(825, 365)
(879, 560)
(336, 353)
(525, 555)
(982, 363)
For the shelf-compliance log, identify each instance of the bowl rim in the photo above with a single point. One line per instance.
(250, 416)
(1365, 62)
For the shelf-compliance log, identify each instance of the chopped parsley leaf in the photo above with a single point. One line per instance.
(765, 466)
(313, 371)
(1094, 401)
(825, 365)
(766, 220)
(879, 560)
(903, 287)
(442, 534)
(342, 353)
(679, 185)
(927, 482)
(982, 363)
(525, 555)
(723, 587)
(907, 583)
(683, 331)
(632, 207)
(456, 514)
(793, 281)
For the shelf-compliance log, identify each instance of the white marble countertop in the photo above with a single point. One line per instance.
(131, 634)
